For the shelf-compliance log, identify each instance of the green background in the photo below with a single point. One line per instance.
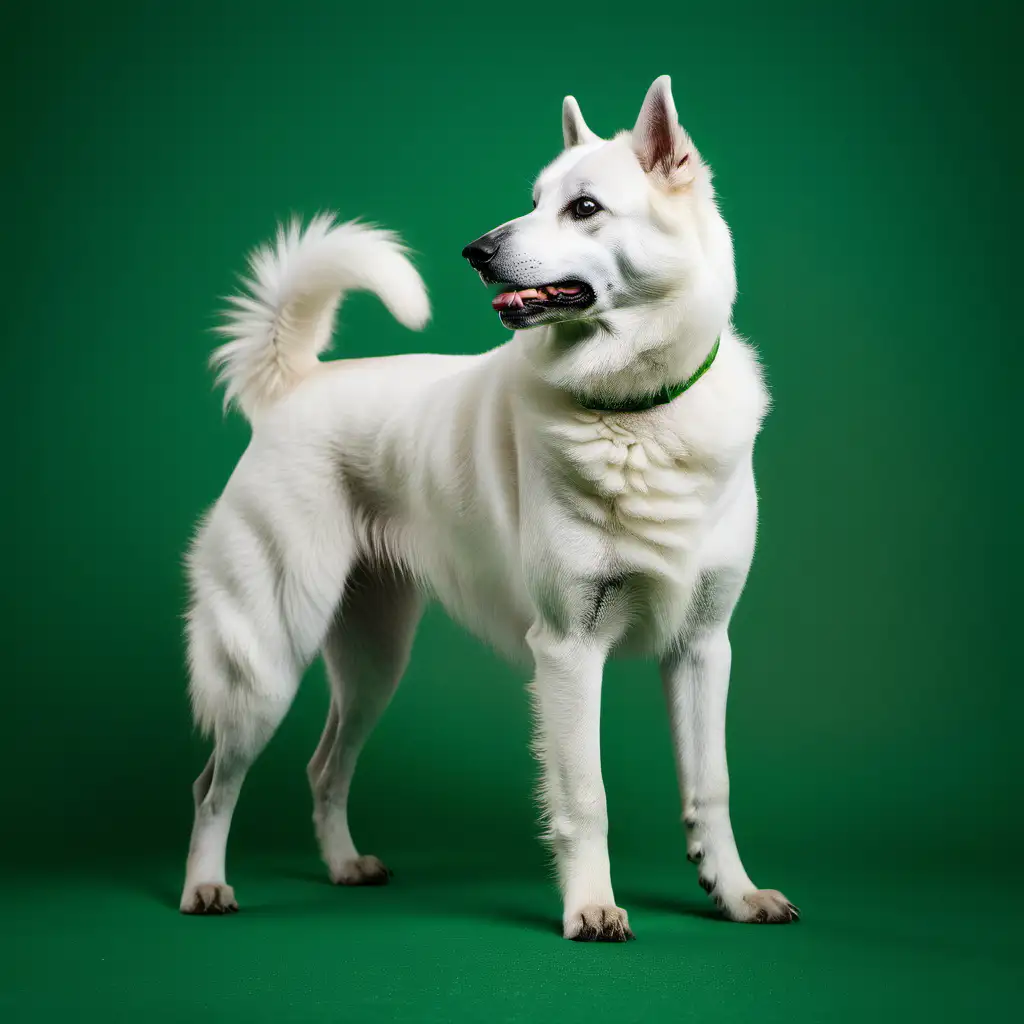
(867, 157)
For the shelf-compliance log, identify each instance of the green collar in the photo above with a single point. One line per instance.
(662, 397)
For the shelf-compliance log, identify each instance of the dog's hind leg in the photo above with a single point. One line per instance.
(366, 651)
(239, 739)
(261, 607)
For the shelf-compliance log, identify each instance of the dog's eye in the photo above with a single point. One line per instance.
(585, 207)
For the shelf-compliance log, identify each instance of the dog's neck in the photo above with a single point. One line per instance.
(623, 358)
(648, 401)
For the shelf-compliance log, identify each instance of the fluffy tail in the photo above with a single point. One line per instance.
(278, 328)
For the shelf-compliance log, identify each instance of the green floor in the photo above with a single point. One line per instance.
(452, 941)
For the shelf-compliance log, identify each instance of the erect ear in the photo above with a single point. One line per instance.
(660, 144)
(574, 129)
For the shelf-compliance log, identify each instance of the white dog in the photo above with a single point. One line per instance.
(583, 490)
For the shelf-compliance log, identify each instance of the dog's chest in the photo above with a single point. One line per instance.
(639, 481)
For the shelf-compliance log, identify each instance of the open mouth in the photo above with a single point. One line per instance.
(517, 303)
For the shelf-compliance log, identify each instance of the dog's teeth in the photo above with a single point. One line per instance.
(542, 293)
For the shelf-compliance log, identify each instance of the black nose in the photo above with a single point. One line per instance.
(482, 251)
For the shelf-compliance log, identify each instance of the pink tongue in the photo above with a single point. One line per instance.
(514, 300)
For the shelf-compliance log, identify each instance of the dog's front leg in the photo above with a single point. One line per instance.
(696, 681)
(567, 692)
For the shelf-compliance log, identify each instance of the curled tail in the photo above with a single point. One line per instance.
(285, 318)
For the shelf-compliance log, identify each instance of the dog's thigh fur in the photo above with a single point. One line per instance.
(366, 652)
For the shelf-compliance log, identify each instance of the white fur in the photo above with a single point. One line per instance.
(278, 330)
(559, 535)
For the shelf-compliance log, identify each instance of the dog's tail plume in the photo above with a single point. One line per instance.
(285, 318)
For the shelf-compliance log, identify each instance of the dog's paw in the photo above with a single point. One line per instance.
(759, 906)
(598, 924)
(209, 898)
(361, 871)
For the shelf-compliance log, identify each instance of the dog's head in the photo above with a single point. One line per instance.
(618, 224)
